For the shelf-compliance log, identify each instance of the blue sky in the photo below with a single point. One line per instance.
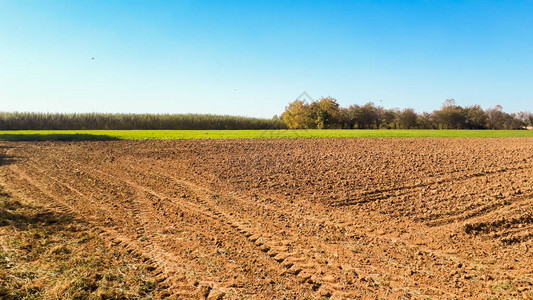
(253, 57)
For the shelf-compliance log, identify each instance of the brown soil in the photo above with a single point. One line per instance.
(309, 218)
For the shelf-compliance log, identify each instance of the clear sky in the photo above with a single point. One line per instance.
(252, 58)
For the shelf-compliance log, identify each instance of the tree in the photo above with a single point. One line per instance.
(347, 117)
(425, 121)
(513, 122)
(325, 113)
(450, 116)
(526, 117)
(407, 118)
(366, 116)
(495, 117)
(449, 103)
(297, 115)
(476, 118)
(390, 117)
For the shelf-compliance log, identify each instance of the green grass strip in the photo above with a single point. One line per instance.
(83, 135)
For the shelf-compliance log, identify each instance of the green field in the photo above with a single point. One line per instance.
(73, 135)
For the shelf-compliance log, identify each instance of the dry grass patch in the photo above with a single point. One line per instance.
(47, 255)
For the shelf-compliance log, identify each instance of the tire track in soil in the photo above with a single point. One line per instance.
(205, 193)
(417, 248)
(413, 247)
(447, 217)
(294, 263)
(109, 237)
(511, 224)
(158, 258)
(365, 275)
(208, 194)
(381, 194)
(326, 293)
(269, 247)
(344, 226)
(156, 261)
(481, 211)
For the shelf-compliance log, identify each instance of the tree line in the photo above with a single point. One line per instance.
(326, 113)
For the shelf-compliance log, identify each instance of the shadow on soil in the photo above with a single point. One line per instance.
(24, 217)
(56, 137)
(5, 159)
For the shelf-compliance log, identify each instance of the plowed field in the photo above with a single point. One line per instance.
(308, 218)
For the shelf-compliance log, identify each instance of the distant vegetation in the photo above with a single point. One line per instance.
(326, 113)
(101, 121)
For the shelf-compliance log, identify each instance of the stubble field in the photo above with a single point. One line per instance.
(300, 219)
